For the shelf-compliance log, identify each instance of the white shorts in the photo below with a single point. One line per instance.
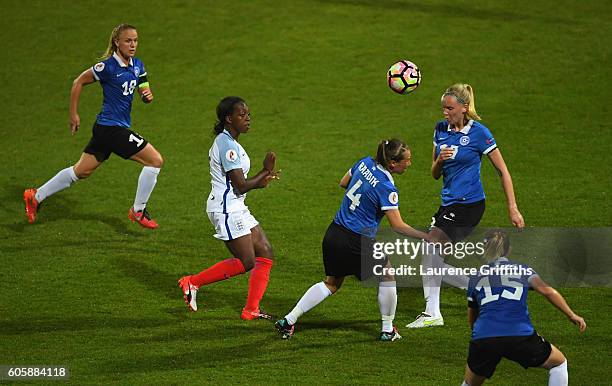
(230, 226)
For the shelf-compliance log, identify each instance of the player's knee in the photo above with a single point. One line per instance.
(333, 286)
(157, 161)
(264, 249)
(82, 173)
(248, 263)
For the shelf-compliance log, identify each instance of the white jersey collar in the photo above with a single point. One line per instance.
(466, 128)
(382, 169)
(501, 259)
(120, 61)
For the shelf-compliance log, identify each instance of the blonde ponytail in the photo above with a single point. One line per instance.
(114, 36)
(497, 244)
(464, 94)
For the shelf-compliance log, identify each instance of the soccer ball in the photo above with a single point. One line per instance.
(404, 77)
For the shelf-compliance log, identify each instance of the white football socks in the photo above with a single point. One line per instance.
(146, 183)
(557, 376)
(431, 284)
(387, 302)
(457, 281)
(315, 295)
(60, 181)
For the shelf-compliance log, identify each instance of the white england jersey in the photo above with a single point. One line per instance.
(224, 155)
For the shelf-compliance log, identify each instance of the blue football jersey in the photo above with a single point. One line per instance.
(119, 82)
(370, 192)
(461, 173)
(500, 295)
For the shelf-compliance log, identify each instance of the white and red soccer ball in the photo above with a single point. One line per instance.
(404, 77)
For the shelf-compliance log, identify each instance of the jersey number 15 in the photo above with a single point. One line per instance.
(506, 282)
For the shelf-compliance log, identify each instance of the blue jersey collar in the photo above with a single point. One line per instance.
(380, 167)
(118, 59)
(466, 128)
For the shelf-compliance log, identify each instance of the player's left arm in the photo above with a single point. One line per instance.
(144, 89)
(513, 212)
(557, 300)
(398, 225)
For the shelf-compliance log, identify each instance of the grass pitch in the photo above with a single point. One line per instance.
(85, 288)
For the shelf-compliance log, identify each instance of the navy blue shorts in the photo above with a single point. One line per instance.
(114, 139)
(528, 351)
(458, 220)
(347, 253)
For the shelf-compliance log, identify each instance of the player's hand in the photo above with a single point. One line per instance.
(446, 153)
(516, 218)
(146, 95)
(271, 176)
(578, 321)
(270, 161)
(75, 123)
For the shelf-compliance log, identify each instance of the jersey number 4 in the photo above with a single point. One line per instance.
(128, 88)
(354, 197)
(506, 282)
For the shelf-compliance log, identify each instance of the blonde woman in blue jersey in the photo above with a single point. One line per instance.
(459, 143)
(231, 218)
(499, 318)
(119, 74)
(370, 195)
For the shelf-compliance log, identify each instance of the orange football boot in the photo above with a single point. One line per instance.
(143, 218)
(31, 204)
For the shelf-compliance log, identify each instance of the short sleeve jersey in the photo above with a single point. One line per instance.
(118, 81)
(370, 192)
(224, 155)
(501, 300)
(461, 173)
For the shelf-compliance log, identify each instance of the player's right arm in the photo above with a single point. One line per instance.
(260, 180)
(85, 78)
(472, 316)
(557, 300)
(473, 308)
(438, 162)
(344, 182)
(399, 226)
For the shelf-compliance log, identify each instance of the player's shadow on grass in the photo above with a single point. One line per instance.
(166, 284)
(193, 356)
(162, 283)
(42, 325)
(59, 208)
(363, 326)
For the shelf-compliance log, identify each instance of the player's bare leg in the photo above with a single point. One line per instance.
(556, 364)
(472, 379)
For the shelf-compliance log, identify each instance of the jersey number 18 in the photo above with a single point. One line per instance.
(128, 89)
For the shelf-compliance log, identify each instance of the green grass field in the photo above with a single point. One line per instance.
(85, 288)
